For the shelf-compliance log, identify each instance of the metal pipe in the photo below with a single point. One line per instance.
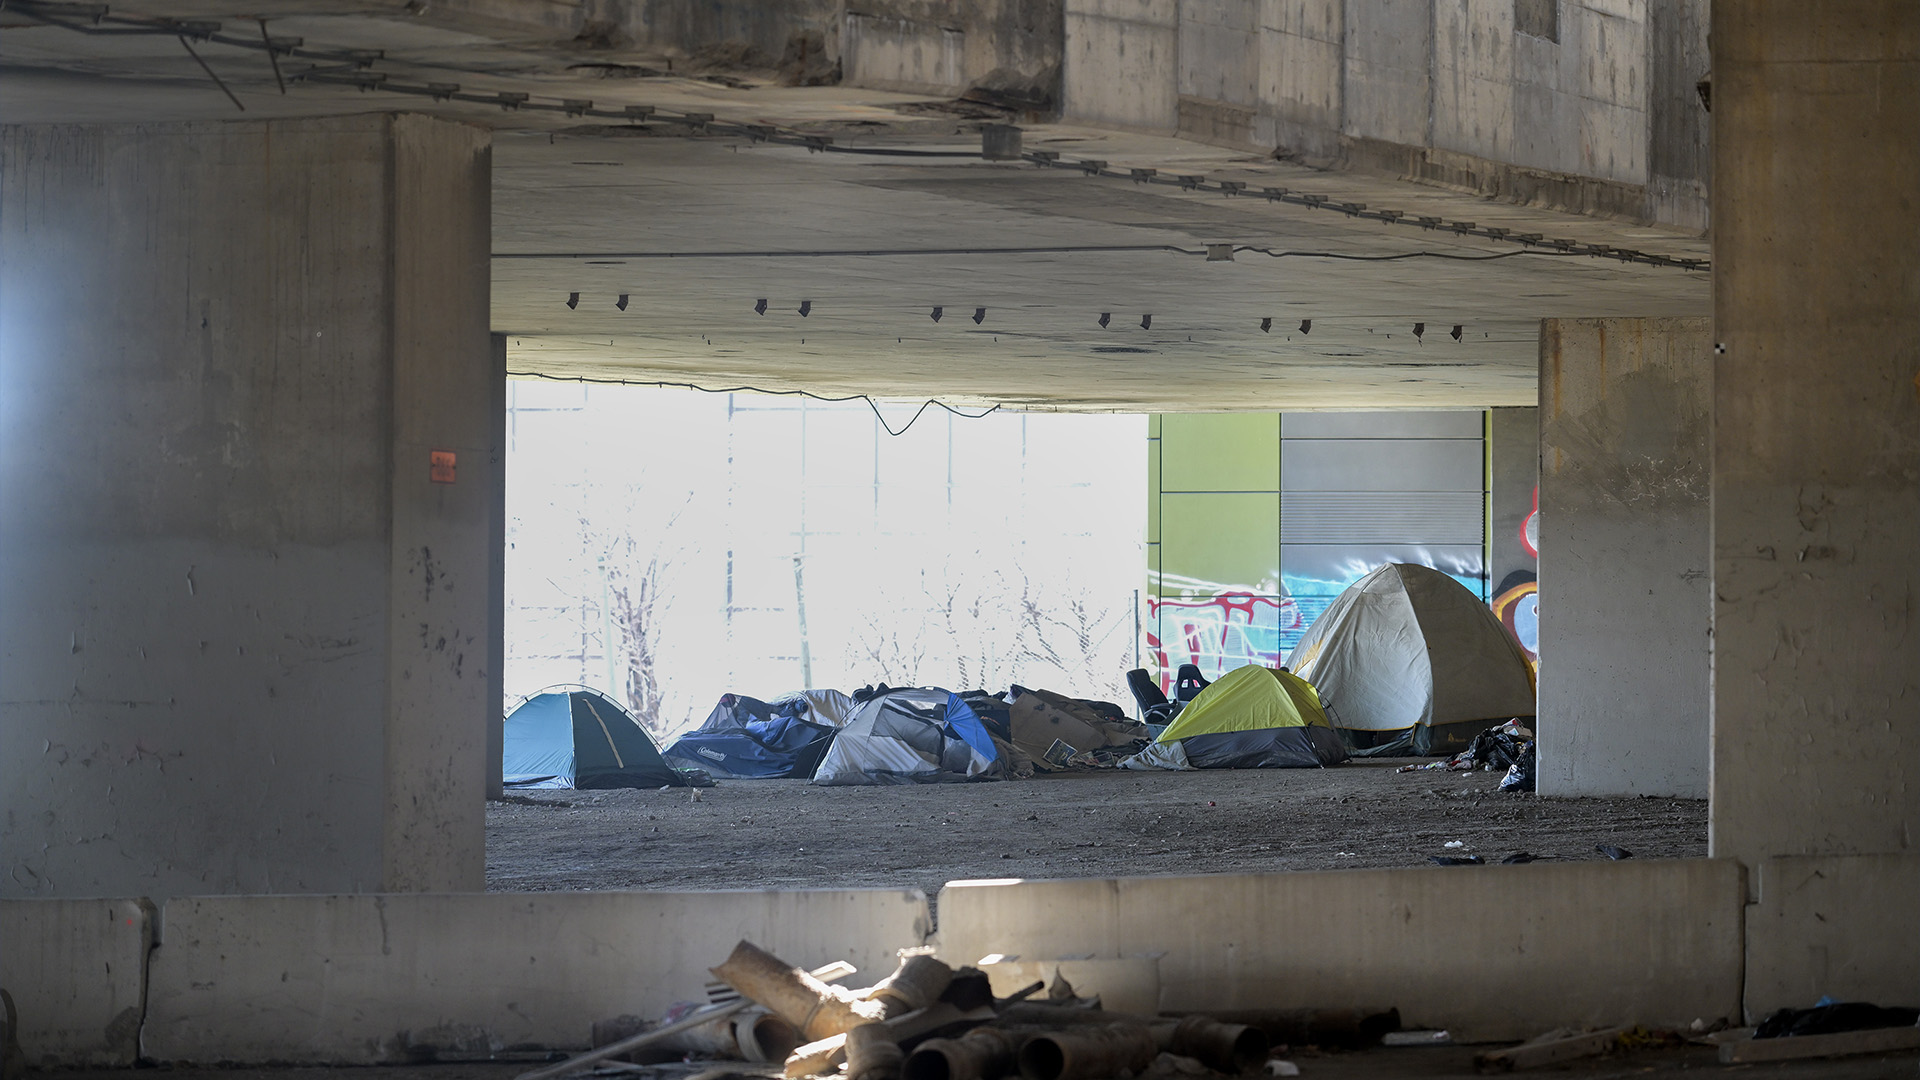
(1346, 1028)
(872, 1055)
(1088, 1052)
(1224, 1047)
(815, 1009)
(757, 1036)
(1227, 1048)
(984, 1053)
(916, 984)
(615, 1049)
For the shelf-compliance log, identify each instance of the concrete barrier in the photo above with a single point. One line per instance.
(77, 972)
(1498, 952)
(903, 54)
(1119, 63)
(358, 979)
(1839, 925)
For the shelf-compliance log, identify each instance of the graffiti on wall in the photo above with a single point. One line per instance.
(1518, 607)
(1517, 601)
(1221, 632)
(1530, 528)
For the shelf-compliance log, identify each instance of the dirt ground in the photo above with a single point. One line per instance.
(789, 834)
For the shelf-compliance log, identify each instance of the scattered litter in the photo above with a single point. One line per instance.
(1458, 860)
(1455, 844)
(1416, 1038)
(1519, 857)
(1508, 746)
(1723, 1036)
(1520, 774)
(1343, 1029)
(1614, 853)
(544, 804)
(1646, 1038)
(1829, 1029)
(1170, 1065)
(1552, 1047)
(1282, 1067)
(1831, 1017)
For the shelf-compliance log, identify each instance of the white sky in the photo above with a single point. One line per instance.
(965, 553)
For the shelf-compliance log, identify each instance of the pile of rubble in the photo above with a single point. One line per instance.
(929, 1021)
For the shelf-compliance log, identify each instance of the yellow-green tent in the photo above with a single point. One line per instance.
(1255, 718)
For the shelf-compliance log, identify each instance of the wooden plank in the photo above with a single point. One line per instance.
(1532, 1055)
(1872, 1041)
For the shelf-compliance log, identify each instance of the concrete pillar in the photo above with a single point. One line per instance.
(1816, 457)
(1816, 489)
(1624, 556)
(497, 579)
(245, 623)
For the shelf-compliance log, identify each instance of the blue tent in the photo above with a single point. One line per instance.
(579, 739)
(746, 738)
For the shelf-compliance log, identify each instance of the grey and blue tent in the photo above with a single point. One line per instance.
(576, 738)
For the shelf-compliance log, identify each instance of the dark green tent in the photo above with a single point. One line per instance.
(580, 739)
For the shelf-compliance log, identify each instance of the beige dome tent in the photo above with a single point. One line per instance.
(1408, 649)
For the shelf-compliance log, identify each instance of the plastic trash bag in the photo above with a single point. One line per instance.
(1520, 773)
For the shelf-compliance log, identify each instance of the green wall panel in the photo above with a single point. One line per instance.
(1229, 540)
(1153, 491)
(1220, 451)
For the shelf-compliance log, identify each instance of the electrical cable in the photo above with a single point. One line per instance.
(871, 404)
(1061, 249)
(834, 253)
(1454, 256)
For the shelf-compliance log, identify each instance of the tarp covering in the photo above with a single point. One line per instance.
(1407, 645)
(916, 735)
(1251, 718)
(579, 739)
(829, 707)
(745, 738)
(1039, 717)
